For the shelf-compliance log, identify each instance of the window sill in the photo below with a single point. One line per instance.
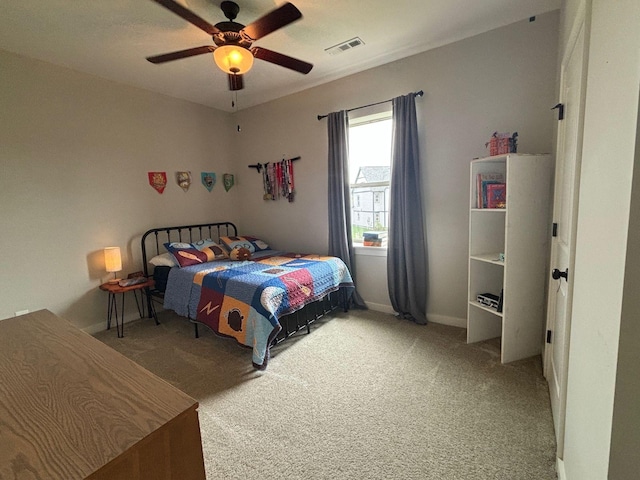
(360, 249)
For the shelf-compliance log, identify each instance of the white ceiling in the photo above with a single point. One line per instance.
(112, 38)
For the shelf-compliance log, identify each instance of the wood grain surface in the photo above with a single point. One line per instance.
(69, 405)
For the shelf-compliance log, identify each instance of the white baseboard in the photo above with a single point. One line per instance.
(93, 329)
(446, 320)
(431, 317)
(562, 475)
(380, 307)
(99, 327)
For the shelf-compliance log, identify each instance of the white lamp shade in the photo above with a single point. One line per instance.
(233, 59)
(112, 259)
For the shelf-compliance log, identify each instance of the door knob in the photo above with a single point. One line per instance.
(557, 274)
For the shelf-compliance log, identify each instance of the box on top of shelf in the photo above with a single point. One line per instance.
(501, 143)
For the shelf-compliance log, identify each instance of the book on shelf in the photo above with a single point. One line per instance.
(483, 180)
(497, 195)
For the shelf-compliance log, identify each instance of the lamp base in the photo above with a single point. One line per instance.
(114, 280)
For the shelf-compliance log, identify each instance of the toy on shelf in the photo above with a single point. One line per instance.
(501, 143)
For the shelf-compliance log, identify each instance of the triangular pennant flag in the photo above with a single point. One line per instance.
(158, 180)
(227, 179)
(208, 180)
(184, 180)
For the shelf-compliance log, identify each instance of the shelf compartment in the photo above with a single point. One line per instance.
(486, 232)
(485, 277)
(491, 165)
(484, 323)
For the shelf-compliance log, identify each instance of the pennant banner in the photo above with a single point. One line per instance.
(184, 180)
(208, 180)
(158, 180)
(227, 179)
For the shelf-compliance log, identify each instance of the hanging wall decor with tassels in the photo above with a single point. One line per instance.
(277, 179)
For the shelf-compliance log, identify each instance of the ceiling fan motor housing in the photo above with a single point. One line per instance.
(228, 36)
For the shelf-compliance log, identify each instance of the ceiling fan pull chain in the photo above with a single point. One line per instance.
(234, 100)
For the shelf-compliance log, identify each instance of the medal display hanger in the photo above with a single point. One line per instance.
(277, 179)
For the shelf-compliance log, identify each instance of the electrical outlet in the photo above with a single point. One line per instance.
(21, 312)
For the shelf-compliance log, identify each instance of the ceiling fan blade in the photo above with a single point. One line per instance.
(190, 52)
(236, 82)
(188, 15)
(282, 60)
(272, 21)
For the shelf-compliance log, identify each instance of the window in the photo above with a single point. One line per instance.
(370, 175)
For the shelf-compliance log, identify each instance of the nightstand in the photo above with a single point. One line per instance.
(112, 308)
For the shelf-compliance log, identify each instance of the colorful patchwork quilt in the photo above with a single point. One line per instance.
(246, 299)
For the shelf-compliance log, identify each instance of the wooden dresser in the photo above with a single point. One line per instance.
(72, 408)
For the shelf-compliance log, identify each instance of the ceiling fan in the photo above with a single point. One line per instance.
(233, 51)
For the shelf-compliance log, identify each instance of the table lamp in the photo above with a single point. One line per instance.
(113, 262)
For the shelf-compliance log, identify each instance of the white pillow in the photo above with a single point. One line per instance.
(164, 259)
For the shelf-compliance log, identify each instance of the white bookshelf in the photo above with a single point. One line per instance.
(521, 231)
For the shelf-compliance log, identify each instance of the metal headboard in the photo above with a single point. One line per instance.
(157, 237)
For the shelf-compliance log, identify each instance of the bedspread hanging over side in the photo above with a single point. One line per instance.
(246, 299)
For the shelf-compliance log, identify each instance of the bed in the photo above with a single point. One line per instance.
(259, 301)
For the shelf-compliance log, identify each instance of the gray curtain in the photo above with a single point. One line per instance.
(406, 257)
(340, 197)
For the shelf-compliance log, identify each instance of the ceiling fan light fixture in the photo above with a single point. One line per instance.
(233, 59)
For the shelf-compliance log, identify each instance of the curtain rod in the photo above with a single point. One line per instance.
(417, 94)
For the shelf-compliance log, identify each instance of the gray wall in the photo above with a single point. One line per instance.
(74, 155)
(501, 80)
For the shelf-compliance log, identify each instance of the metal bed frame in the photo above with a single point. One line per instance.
(152, 244)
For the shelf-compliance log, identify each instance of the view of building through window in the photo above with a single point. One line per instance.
(369, 178)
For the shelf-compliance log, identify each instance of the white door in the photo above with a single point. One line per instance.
(572, 82)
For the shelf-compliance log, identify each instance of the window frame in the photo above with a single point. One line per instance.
(360, 117)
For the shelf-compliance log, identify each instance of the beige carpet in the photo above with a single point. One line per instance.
(365, 396)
